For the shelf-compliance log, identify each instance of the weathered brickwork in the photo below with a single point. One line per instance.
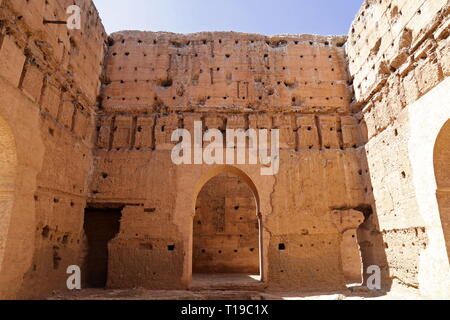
(86, 122)
(50, 83)
(398, 52)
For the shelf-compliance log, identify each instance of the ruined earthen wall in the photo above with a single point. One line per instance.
(398, 51)
(50, 79)
(351, 161)
(157, 82)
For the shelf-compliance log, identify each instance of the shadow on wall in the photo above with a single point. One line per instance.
(370, 237)
(442, 174)
(8, 168)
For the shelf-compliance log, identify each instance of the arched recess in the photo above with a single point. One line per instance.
(8, 170)
(441, 159)
(227, 169)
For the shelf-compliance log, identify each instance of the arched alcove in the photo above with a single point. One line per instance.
(441, 161)
(8, 169)
(227, 226)
(226, 169)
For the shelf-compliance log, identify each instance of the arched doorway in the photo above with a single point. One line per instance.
(442, 173)
(8, 167)
(227, 228)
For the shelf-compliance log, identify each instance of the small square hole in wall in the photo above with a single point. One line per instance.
(171, 247)
(281, 246)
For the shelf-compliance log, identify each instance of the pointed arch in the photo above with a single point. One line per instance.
(226, 169)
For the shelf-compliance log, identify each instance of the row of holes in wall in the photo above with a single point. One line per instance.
(167, 83)
(270, 93)
(55, 200)
(222, 251)
(202, 100)
(217, 69)
(270, 43)
(149, 246)
(404, 245)
(282, 246)
(164, 83)
(227, 56)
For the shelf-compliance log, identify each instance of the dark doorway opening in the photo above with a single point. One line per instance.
(100, 226)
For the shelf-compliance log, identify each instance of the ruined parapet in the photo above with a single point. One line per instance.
(225, 71)
(151, 76)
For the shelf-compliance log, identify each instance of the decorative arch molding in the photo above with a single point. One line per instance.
(23, 120)
(190, 181)
(227, 169)
(427, 117)
(222, 172)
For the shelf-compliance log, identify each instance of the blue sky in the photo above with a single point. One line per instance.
(269, 17)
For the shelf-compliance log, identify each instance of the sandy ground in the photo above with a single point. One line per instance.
(233, 287)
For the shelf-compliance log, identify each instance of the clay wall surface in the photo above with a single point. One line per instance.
(157, 82)
(49, 82)
(351, 257)
(398, 51)
(86, 122)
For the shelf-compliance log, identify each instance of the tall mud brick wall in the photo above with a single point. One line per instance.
(399, 60)
(157, 82)
(49, 83)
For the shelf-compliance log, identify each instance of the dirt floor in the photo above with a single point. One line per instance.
(231, 287)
